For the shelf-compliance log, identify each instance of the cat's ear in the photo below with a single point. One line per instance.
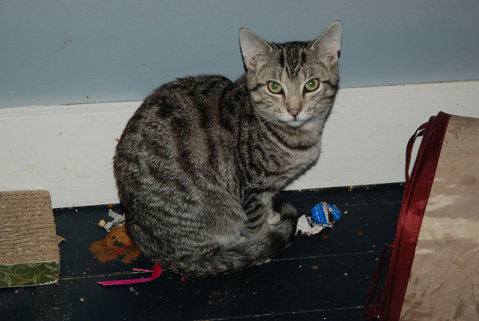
(329, 43)
(253, 48)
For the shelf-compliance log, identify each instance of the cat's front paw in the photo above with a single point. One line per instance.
(273, 218)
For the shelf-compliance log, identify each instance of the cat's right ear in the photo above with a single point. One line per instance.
(253, 48)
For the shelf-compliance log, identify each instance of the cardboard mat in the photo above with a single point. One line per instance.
(29, 253)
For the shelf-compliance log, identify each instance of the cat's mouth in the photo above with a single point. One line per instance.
(296, 121)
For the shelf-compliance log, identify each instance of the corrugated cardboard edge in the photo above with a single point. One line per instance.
(28, 238)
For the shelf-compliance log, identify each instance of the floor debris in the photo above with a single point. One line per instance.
(116, 243)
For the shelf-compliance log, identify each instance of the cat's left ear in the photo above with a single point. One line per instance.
(254, 49)
(329, 43)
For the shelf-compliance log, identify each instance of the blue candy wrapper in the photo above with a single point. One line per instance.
(326, 214)
(321, 216)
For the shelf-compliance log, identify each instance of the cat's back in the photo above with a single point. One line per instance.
(175, 109)
(172, 131)
(182, 94)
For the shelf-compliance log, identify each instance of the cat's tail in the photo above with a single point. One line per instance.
(255, 250)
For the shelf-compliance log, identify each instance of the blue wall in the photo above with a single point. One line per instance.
(70, 51)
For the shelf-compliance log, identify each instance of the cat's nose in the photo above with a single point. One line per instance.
(294, 111)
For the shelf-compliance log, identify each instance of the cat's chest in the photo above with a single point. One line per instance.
(296, 161)
(277, 166)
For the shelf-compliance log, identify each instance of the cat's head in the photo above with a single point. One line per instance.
(292, 82)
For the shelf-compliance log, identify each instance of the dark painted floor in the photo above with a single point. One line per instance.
(317, 278)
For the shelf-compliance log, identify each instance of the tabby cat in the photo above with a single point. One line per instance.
(200, 162)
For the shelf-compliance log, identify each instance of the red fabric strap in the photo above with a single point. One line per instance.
(154, 274)
(371, 307)
(414, 201)
(410, 145)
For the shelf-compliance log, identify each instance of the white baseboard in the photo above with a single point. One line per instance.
(68, 150)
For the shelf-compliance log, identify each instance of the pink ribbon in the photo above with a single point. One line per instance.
(157, 269)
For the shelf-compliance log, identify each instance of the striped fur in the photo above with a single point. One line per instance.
(200, 162)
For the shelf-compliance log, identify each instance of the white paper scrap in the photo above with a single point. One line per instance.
(117, 220)
(306, 225)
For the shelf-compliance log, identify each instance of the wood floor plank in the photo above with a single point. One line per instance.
(342, 314)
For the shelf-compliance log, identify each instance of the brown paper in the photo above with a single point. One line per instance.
(444, 280)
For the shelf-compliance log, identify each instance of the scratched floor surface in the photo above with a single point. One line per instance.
(323, 277)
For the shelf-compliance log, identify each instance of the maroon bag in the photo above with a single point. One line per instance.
(437, 229)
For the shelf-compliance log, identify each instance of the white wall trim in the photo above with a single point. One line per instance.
(68, 149)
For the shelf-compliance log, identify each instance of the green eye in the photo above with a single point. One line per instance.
(274, 87)
(312, 85)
